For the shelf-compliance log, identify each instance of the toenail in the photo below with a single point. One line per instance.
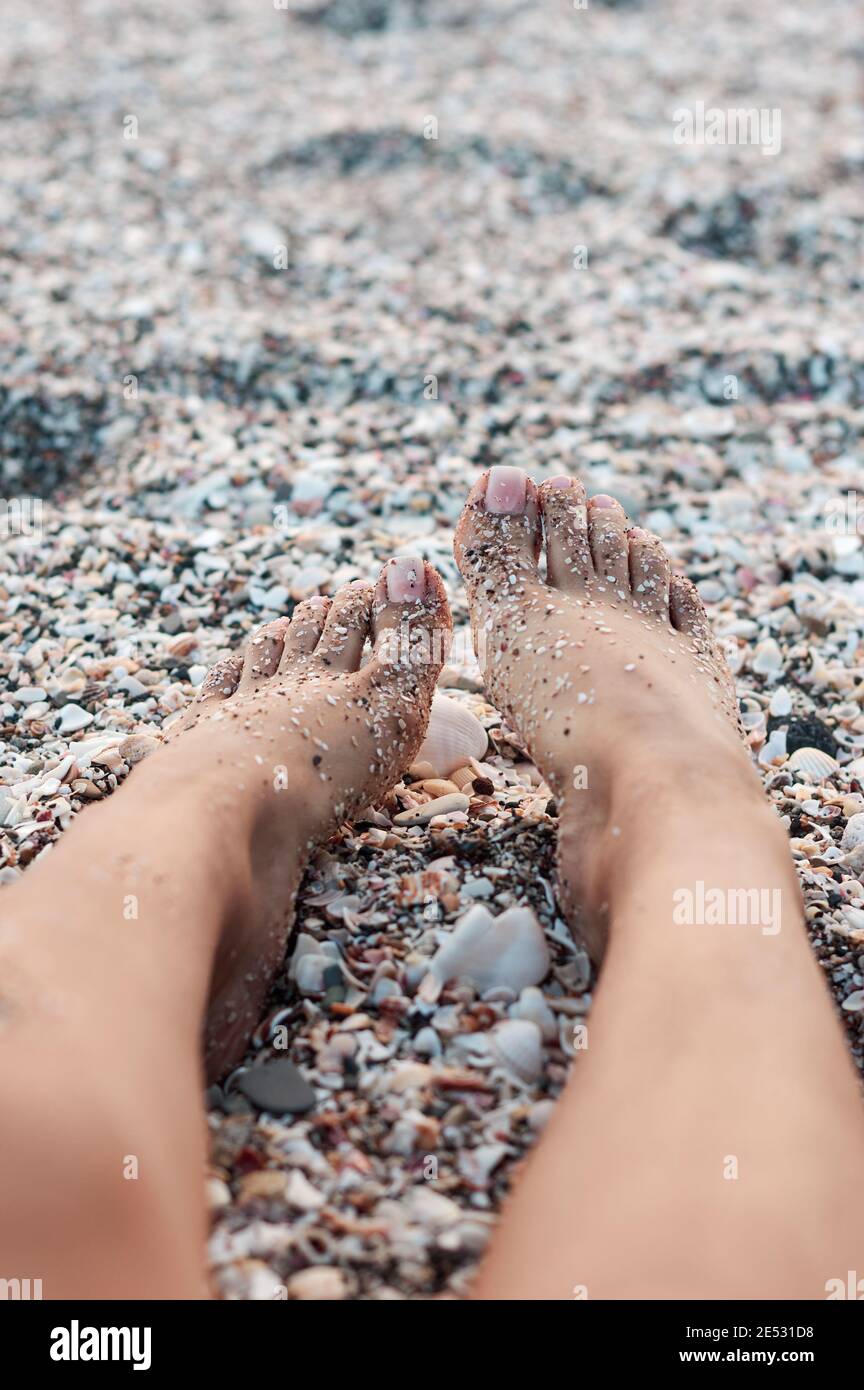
(406, 579)
(561, 481)
(637, 534)
(602, 500)
(505, 491)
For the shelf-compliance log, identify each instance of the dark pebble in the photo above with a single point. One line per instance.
(810, 733)
(278, 1087)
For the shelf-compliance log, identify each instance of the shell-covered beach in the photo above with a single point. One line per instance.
(277, 283)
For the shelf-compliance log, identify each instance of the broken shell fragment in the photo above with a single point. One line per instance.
(491, 951)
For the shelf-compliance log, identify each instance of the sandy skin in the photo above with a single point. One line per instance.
(711, 1138)
(705, 1043)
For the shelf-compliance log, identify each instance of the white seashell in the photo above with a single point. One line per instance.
(518, 1044)
(309, 961)
(767, 658)
(532, 1005)
(781, 702)
(813, 763)
(300, 1193)
(441, 806)
(853, 835)
(489, 951)
(478, 1165)
(309, 973)
(454, 735)
(427, 1043)
(774, 748)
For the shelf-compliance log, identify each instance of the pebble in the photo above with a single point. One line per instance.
(278, 1087)
(440, 806)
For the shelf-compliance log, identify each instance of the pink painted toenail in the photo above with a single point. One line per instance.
(505, 491)
(561, 481)
(602, 500)
(406, 579)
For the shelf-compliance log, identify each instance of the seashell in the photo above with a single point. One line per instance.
(454, 735)
(319, 1284)
(301, 1194)
(463, 777)
(266, 1183)
(441, 806)
(518, 1044)
(82, 786)
(425, 886)
(532, 1005)
(478, 1164)
(813, 763)
(781, 702)
(421, 771)
(427, 1043)
(137, 747)
(767, 658)
(774, 748)
(109, 758)
(853, 835)
(309, 961)
(489, 951)
(309, 972)
(436, 786)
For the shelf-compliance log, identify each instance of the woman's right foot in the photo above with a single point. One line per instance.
(606, 668)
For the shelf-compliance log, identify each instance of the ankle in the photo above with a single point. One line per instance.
(683, 813)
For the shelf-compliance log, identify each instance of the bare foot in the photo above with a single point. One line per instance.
(606, 668)
(312, 737)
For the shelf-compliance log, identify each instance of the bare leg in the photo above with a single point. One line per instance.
(711, 1140)
(173, 902)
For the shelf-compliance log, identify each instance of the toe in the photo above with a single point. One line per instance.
(307, 624)
(607, 535)
(686, 608)
(263, 652)
(498, 534)
(347, 627)
(649, 573)
(410, 619)
(221, 680)
(565, 522)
